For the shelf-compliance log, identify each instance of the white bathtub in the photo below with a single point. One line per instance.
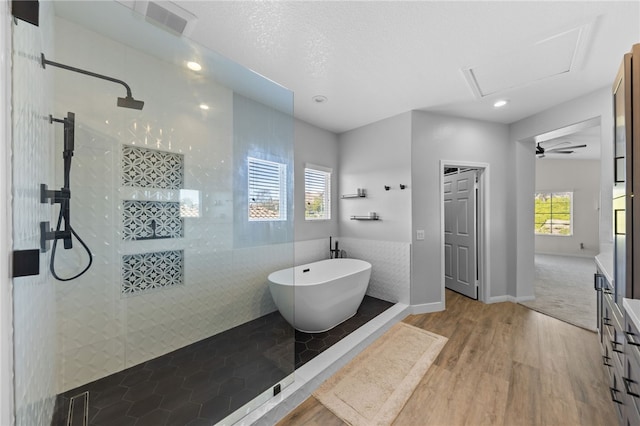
(326, 292)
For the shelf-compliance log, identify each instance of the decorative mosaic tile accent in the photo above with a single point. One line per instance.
(148, 168)
(148, 219)
(147, 271)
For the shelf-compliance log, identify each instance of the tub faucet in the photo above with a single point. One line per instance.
(334, 253)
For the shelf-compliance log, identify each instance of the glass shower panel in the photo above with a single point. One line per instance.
(34, 325)
(173, 320)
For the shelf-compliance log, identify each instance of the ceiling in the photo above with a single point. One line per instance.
(373, 60)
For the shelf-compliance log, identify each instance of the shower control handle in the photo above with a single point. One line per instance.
(54, 197)
(47, 234)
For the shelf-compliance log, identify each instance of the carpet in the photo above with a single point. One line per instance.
(373, 387)
(563, 288)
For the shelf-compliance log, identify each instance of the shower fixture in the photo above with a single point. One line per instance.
(127, 102)
(62, 197)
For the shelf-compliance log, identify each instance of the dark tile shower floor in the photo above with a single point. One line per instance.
(203, 383)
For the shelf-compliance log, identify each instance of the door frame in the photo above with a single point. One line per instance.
(483, 231)
(6, 226)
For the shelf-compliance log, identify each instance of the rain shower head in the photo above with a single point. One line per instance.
(127, 102)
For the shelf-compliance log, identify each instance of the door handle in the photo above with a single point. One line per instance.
(596, 282)
(614, 345)
(630, 339)
(627, 386)
(613, 395)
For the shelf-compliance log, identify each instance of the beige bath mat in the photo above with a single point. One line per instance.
(375, 385)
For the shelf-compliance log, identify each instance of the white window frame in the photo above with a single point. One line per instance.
(571, 216)
(326, 174)
(276, 183)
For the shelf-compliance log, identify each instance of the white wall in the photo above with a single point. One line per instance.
(439, 137)
(371, 157)
(521, 133)
(582, 177)
(320, 147)
(100, 330)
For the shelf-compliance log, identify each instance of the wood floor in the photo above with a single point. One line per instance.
(503, 365)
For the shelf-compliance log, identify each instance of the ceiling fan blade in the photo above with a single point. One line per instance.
(556, 144)
(566, 148)
(559, 151)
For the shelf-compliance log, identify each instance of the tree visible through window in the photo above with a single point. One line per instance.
(267, 190)
(317, 193)
(553, 213)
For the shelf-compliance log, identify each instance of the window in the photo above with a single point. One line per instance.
(317, 193)
(267, 190)
(554, 213)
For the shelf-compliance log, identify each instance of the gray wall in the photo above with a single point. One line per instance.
(439, 137)
(371, 157)
(319, 147)
(408, 149)
(582, 177)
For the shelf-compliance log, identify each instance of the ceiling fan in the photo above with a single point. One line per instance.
(556, 149)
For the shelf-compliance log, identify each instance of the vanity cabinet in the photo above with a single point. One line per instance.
(617, 281)
(631, 377)
(611, 327)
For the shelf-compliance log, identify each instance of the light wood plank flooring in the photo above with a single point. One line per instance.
(503, 365)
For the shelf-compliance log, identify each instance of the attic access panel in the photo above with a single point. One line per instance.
(550, 57)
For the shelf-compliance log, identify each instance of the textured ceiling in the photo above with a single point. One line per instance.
(373, 60)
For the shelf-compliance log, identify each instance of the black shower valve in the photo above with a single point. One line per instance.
(47, 234)
(53, 197)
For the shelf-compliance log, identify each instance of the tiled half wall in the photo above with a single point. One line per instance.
(390, 260)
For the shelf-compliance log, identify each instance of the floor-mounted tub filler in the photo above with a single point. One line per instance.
(318, 296)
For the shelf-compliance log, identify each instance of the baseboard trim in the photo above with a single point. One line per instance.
(585, 254)
(509, 298)
(426, 308)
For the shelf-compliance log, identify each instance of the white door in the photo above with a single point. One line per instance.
(460, 264)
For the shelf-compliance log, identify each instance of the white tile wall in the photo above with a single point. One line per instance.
(100, 331)
(390, 260)
(34, 297)
(391, 266)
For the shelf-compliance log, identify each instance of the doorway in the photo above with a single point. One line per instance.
(464, 207)
(567, 172)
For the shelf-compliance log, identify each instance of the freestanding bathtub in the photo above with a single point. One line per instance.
(318, 296)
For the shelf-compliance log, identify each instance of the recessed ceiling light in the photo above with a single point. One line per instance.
(319, 99)
(500, 103)
(204, 106)
(194, 66)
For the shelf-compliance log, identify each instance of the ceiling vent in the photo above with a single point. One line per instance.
(553, 56)
(167, 15)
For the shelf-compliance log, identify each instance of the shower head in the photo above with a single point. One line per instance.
(129, 102)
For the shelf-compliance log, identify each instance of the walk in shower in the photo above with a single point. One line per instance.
(186, 206)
